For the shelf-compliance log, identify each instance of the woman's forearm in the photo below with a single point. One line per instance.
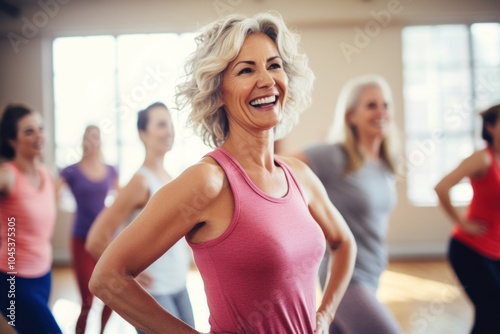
(124, 295)
(341, 268)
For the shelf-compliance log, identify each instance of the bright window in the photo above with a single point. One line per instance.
(451, 72)
(105, 80)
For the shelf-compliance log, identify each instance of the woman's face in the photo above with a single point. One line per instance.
(30, 137)
(254, 86)
(92, 140)
(370, 117)
(494, 130)
(159, 134)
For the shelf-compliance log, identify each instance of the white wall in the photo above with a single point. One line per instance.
(25, 75)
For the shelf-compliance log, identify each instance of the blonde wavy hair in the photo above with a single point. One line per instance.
(341, 131)
(217, 45)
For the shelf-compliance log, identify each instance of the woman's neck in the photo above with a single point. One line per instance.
(27, 165)
(91, 158)
(371, 147)
(154, 162)
(252, 151)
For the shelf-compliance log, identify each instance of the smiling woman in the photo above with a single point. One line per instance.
(27, 219)
(358, 172)
(257, 66)
(257, 223)
(216, 49)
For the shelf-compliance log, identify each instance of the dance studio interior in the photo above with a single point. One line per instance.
(99, 62)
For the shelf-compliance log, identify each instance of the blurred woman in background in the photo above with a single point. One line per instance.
(90, 181)
(474, 250)
(27, 219)
(357, 170)
(166, 278)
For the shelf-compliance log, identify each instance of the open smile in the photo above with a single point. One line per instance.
(264, 102)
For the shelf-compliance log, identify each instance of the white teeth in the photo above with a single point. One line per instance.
(264, 100)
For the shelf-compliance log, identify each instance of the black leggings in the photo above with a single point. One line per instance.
(480, 278)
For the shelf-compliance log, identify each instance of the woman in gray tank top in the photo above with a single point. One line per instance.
(357, 169)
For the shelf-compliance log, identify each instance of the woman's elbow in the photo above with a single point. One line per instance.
(346, 242)
(90, 247)
(96, 283)
(103, 284)
(441, 190)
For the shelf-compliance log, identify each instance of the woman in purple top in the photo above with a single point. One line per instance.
(90, 181)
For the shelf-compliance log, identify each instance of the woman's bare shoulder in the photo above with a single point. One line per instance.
(6, 179)
(206, 175)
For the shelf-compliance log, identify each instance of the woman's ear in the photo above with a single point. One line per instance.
(12, 143)
(490, 128)
(142, 136)
(349, 118)
(220, 104)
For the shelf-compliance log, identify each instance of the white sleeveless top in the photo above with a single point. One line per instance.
(169, 272)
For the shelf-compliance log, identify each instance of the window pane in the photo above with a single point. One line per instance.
(148, 71)
(429, 159)
(452, 46)
(486, 44)
(417, 46)
(439, 105)
(84, 93)
(487, 87)
(106, 80)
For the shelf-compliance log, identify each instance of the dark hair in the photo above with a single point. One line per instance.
(490, 117)
(143, 115)
(8, 128)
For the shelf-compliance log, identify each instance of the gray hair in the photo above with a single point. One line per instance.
(218, 44)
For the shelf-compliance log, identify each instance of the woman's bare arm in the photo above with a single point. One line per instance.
(169, 215)
(131, 197)
(472, 167)
(6, 181)
(339, 240)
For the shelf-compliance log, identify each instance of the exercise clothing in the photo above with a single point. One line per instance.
(89, 196)
(169, 272)
(365, 198)
(484, 207)
(32, 214)
(27, 219)
(260, 275)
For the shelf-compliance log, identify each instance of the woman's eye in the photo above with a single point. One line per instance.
(275, 66)
(245, 70)
(372, 105)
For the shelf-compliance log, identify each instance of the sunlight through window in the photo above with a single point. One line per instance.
(105, 80)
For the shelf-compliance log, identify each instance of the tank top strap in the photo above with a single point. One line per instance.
(290, 176)
(236, 175)
(228, 164)
(21, 181)
(154, 183)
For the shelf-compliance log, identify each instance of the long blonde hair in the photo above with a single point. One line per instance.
(341, 131)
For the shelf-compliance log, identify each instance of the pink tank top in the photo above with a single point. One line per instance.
(485, 207)
(27, 218)
(260, 275)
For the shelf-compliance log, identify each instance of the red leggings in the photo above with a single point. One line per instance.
(83, 265)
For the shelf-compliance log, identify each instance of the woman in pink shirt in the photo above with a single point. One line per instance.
(257, 223)
(27, 218)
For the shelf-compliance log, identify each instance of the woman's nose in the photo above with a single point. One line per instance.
(265, 79)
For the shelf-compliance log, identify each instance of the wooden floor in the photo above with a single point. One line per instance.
(423, 295)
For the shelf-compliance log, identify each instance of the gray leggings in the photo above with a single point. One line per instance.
(178, 304)
(359, 311)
